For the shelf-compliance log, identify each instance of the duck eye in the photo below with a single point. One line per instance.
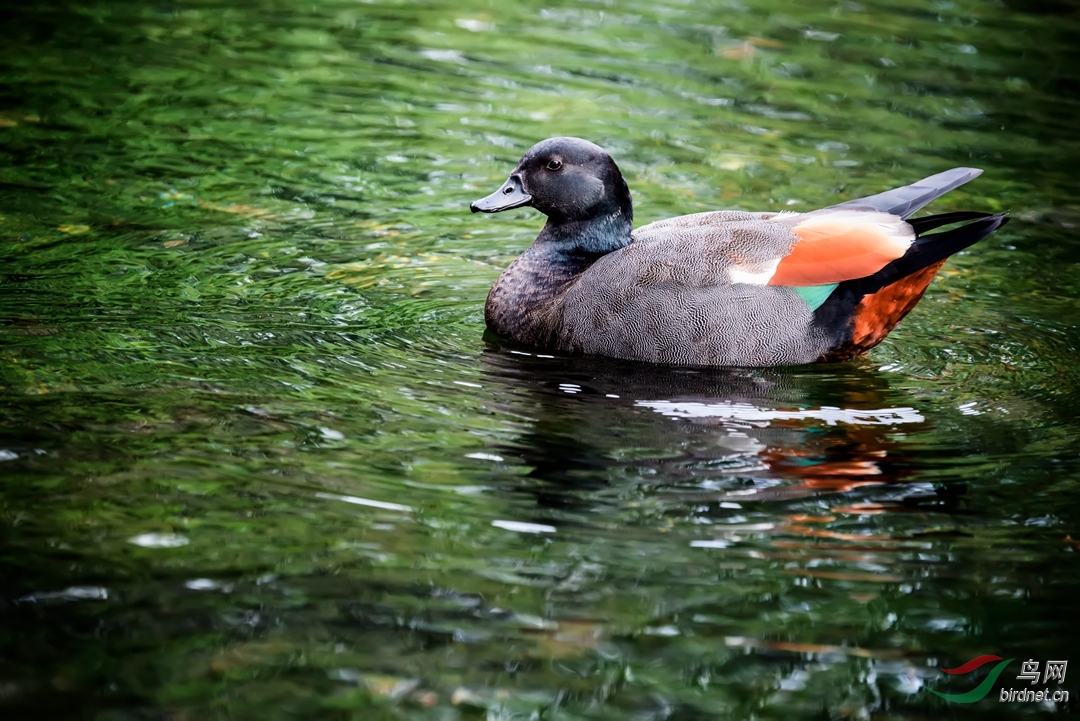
(554, 165)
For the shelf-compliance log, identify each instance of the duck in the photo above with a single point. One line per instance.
(726, 288)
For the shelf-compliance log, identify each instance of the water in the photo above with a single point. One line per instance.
(259, 462)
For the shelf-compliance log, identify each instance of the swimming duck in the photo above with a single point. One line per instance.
(722, 288)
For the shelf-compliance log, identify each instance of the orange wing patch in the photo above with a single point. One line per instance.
(842, 245)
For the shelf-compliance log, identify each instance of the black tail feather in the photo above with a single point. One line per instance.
(835, 314)
(929, 222)
(929, 249)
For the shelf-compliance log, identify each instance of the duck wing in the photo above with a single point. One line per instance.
(708, 249)
(850, 240)
(788, 249)
(841, 243)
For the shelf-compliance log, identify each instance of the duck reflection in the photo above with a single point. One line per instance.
(705, 434)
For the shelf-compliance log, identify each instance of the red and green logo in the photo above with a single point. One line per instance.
(980, 691)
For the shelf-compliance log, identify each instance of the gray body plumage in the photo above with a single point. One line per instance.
(668, 297)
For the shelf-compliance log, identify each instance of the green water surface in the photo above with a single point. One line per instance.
(257, 460)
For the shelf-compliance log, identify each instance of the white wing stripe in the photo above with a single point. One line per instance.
(760, 275)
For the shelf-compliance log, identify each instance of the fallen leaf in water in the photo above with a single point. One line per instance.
(9, 119)
(249, 654)
(483, 699)
(568, 639)
(766, 43)
(799, 518)
(425, 698)
(249, 211)
(390, 686)
(462, 695)
(862, 508)
(74, 229)
(813, 648)
(739, 51)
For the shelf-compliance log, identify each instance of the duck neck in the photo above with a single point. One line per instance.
(587, 240)
(521, 305)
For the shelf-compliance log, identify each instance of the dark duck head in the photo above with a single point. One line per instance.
(578, 187)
